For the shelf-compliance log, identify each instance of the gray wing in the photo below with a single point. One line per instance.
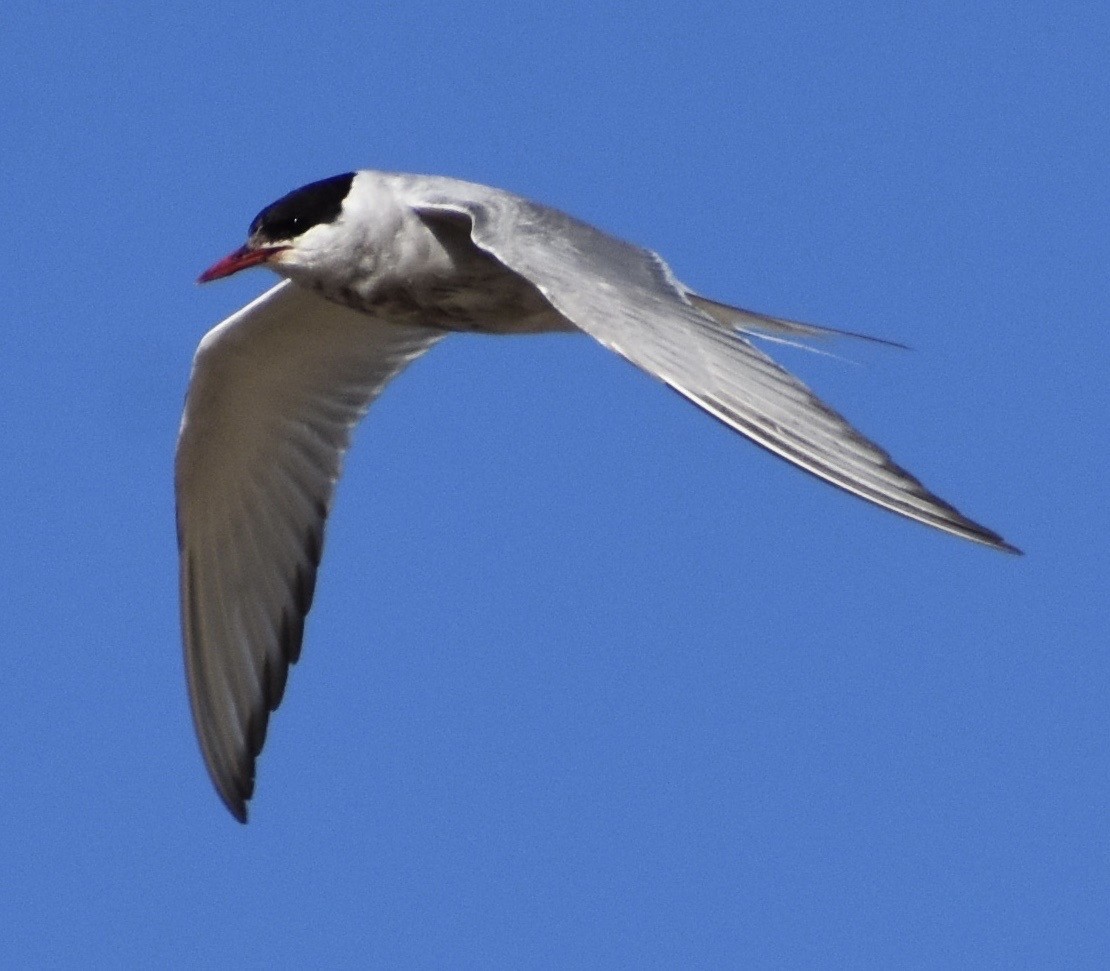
(275, 392)
(628, 299)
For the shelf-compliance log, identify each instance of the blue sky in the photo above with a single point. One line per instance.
(589, 681)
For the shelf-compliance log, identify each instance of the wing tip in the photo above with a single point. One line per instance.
(988, 537)
(238, 810)
(948, 519)
(956, 523)
(235, 793)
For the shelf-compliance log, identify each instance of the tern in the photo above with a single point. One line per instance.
(377, 268)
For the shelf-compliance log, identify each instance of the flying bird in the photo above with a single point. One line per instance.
(377, 268)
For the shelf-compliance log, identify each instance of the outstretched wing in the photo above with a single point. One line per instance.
(628, 299)
(275, 392)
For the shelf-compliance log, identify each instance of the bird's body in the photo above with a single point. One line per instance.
(404, 269)
(378, 268)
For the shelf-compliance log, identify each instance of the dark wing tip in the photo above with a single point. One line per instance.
(993, 540)
(986, 537)
(981, 534)
(238, 809)
(947, 517)
(233, 777)
(235, 786)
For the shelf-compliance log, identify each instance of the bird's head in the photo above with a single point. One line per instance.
(292, 234)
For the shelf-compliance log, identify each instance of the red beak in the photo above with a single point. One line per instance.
(242, 258)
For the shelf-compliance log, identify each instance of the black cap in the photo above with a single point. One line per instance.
(303, 208)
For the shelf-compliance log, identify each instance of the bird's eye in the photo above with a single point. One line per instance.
(282, 228)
